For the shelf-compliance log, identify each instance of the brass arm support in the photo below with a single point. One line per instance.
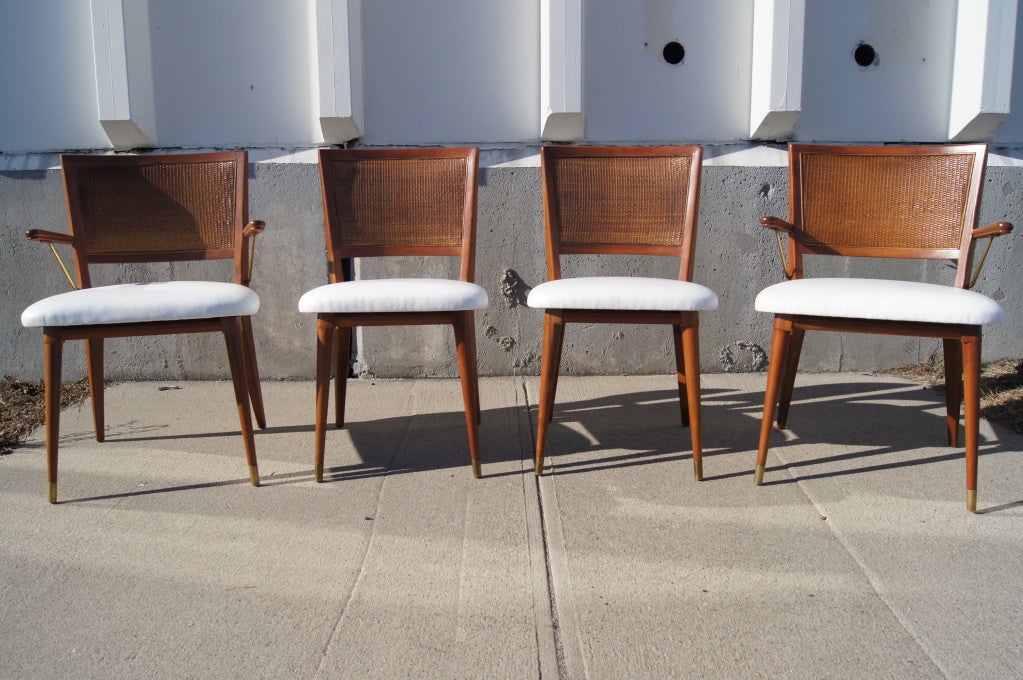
(251, 230)
(50, 238)
(989, 232)
(778, 225)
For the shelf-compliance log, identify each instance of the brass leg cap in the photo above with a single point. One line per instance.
(758, 477)
(476, 471)
(538, 468)
(53, 492)
(971, 500)
(318, 474)
(254, 475)
(698, 470)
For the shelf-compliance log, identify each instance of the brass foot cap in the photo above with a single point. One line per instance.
(758, 477)
(971, 500)
(254, 475)
(476, 471)
(698, 470)
(53, 492)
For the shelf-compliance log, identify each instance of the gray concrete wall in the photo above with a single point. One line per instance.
(735, 257)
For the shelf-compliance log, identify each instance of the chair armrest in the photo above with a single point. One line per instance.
(777, 224)
(996, 229)
(254, 227)
(249, 233)
(45, 236)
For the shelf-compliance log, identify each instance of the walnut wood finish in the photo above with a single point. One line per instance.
(890, 202)
(624, 201)
(154, 208)
(393, 202)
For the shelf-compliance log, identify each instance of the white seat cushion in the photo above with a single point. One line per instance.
(140, 302)
(879, 299)
(394, 295)
(622, 293)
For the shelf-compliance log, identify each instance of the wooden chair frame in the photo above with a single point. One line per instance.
(237, 330)
(334, 330)
(685, 325)
(962, 343)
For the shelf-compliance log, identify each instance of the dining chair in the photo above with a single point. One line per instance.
(396, 202)
(896, 201)
(147, 209)
(619, 200)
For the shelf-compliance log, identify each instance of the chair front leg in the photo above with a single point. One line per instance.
(466, 371)
(94, 368)
(953, 387)
(252, 372)
(691, 349)
(971, 400)
(779, 348)
(324, 355)
(53, 357)
(232, 328)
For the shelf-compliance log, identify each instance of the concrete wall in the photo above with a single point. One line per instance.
(281, 77)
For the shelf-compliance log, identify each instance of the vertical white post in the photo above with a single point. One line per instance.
(338, 33)
(777, 69)
(120, 99)
(982, 74)
(561, 101)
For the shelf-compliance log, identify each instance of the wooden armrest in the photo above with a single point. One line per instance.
(777, 223)
(254, 227)
(48, 236)
(996, 229)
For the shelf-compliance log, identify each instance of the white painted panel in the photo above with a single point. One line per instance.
(1011, 130)
(448, 71)
(631, 93)
(232, 73)
(903, 97)
(47, 77)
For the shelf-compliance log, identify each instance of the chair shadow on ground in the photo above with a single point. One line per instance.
(620, 430)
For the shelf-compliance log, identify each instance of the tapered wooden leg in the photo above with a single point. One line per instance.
(553, 332)
(971, 400)
(680, 373)
(232, 328)
(691, 349)
(779, 347)
(343, 340)
(474, 353)
(324, 354)
(252, 372)
(94, 368)
(559, 344)
(953, 388)
(466, 368)
(791, 363)
(53, 356)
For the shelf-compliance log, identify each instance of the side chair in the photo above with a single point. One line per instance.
(622, 201)
(396, 202)
(146, 209)
(916, 202)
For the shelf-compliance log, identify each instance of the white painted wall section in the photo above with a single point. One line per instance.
(338, 32)
(777, 69)
(561, 84)
(125, 103)
(982, 78)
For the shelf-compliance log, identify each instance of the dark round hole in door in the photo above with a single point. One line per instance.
(865, 54)
(674, 53)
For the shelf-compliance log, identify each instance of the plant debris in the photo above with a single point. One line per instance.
(1001, 387)
(22, 407)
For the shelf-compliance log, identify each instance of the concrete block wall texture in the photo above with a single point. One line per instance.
(735, 256)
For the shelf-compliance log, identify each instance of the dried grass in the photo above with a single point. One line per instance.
(22, 409)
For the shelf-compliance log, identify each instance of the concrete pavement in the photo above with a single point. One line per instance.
(857, 558)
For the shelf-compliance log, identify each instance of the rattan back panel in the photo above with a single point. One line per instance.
(396, 202)
(143, 209)
(904, 202)
(636, 201)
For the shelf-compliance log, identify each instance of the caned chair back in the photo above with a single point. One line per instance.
(156, 208)
(894, 202)
(379, 202)
(621, 200)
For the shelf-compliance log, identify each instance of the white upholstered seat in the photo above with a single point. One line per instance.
(622, 293)
(143, 302)
(885, 300)
(394, 296)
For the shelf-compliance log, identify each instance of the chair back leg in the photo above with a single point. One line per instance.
(252, 372)
(953, 359)
(324, 356)
(550, 360)
(94, 369)
(680, 373)
(788, 380)
(343, 348)
(691, 349)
